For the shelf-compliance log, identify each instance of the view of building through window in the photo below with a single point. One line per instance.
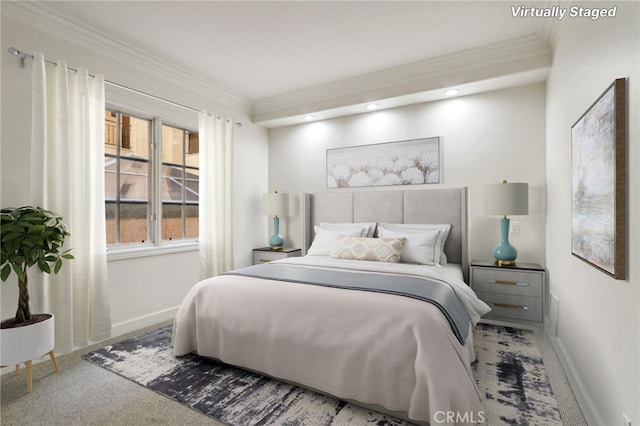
(180, 159)
(130, 186)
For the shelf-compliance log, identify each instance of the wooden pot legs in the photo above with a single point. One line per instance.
(30, 373)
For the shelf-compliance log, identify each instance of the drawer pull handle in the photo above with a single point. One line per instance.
(265, 260)
(504, 282)
(510, 306)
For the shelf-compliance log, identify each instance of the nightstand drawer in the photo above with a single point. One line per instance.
(511, 306)
(265, 255)
(507, 282)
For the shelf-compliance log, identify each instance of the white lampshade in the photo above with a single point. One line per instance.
(275, 204)
(506, 199)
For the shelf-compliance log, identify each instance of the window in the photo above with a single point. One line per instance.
(136, 174)
(179, 183)
(127, 178)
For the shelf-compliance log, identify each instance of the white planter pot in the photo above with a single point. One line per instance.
(21, 344)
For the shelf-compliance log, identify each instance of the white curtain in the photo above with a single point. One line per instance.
(67, 177)
(216, 224)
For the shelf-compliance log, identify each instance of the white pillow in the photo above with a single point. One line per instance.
(368, 228)
(419, 247)
(321, 245)
(444, 229)
(365, 248)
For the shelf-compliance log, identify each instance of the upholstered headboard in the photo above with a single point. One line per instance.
(441, 205)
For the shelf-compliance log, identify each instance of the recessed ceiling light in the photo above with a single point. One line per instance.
(371, 107)
(452, 92)
(308, 117)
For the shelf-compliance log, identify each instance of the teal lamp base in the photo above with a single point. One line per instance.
(276, 242)
(504, 253)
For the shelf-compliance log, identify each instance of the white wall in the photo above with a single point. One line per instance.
(599, 321)
(147, 289)
(487, 137)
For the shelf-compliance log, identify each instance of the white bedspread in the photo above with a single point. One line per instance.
(393, 351)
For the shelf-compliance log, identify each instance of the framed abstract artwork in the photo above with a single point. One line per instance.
(598, 183)
(409, 162)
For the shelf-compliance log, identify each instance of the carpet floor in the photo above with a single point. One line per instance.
(509, 371)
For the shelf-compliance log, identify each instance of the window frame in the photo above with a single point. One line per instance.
(184, 168)
(149, 239)
(155, 245)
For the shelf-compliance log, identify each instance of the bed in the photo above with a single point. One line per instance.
(357, 317)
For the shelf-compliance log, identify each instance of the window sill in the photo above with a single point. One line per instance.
(123, 253)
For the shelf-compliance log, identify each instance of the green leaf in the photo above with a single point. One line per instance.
(17, 268)
(32, 219)
(44, 267)
(36, 229)
(51, 222)
(32, 256)
(6, 271)
(57, 266)
(11, 237)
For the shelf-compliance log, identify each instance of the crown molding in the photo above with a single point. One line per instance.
(407, 84)
(38, 15)
(550, 28)
(515, 56)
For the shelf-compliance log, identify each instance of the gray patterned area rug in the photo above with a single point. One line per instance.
(509, 373)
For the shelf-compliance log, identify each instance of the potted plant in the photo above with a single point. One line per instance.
(30, 236)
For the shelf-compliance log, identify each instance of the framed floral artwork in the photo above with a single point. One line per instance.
(409, 162)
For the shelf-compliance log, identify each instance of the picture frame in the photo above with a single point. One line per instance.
(408, 162)
(598, 183)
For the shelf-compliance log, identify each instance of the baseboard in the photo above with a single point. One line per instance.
(134, 324)
(586, 404)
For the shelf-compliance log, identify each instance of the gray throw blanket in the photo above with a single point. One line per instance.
(425, 289)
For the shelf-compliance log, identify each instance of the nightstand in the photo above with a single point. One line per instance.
(265, 254)
(513, 292)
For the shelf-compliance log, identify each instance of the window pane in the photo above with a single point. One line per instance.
(180, 161)
(134, 179)
(110, 210)
(110, 189)
(136, 133)
(127, 141)
(110, 171)
(172, 183)
(192, 224)
(171, 221)
(133, 222)
(192, 185)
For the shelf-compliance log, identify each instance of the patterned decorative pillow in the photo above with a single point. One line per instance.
(363, 248)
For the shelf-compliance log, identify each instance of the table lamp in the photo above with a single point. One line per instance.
(275, 204)
(502, 199)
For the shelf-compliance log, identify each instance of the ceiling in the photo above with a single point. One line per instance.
(270, 51)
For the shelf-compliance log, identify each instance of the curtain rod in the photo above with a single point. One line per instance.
(24, 55)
